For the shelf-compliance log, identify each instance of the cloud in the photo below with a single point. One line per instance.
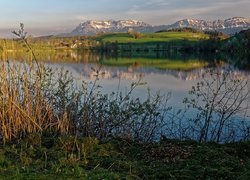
(157, 2)
(178, 9)
(51, 16)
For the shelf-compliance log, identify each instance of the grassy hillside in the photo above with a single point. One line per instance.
(152, 37)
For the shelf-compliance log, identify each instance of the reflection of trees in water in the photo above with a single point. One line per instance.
(239, 60)
(51, 56)
(118, 72)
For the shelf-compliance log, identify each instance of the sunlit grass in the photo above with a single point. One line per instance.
(152, 37)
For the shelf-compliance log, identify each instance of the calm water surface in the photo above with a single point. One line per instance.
(158, 77)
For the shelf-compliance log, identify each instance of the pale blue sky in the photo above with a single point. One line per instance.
(54, 16)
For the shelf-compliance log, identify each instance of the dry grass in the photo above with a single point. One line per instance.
(24, 107)
(35, 99)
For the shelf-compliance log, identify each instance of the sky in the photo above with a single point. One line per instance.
(43, 17)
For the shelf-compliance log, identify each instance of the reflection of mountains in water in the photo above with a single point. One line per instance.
(87, 70)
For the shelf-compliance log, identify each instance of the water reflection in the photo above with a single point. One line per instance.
(169, 72)
(175, 74)
(181, 66)
(51, 56)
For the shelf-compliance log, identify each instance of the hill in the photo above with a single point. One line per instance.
(151, 37)
(238, 42)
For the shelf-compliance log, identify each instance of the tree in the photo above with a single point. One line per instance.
(135, 34)
(217, 99)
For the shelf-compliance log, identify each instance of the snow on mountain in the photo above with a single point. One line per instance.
(94, 27)
(229, 26)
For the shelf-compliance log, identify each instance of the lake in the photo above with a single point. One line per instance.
(175, 73)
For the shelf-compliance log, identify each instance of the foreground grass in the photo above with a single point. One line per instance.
(48, 156)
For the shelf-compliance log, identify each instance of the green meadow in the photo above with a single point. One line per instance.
(152, 37)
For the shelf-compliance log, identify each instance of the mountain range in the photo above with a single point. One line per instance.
(94, 27)
(228, 26)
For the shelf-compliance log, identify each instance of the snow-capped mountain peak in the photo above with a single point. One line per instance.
(97, 26)
(229, 26)
(232, 24)
(131, 23)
